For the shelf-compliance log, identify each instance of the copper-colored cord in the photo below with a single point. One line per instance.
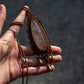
(16, 23)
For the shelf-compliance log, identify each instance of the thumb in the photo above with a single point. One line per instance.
(2, 16)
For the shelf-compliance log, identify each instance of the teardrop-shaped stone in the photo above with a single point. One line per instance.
(38, 36)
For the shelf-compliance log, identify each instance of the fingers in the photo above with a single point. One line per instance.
(2, 16)
(34, 68)
(17, 26)
(20, 18)
(33, 62)
(56, 50)
(37, 70)
(29, 52)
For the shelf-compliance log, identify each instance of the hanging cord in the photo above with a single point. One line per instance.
(23, 56)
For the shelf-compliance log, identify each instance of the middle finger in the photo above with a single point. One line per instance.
(29, 51)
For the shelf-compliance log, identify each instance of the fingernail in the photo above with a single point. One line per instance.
(0, 8)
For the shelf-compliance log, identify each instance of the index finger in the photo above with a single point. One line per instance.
(17, 23)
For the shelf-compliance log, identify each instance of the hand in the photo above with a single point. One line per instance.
(10, 62)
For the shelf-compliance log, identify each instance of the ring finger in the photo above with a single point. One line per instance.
(33, 61)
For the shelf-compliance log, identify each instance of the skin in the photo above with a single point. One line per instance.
(10, 62)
